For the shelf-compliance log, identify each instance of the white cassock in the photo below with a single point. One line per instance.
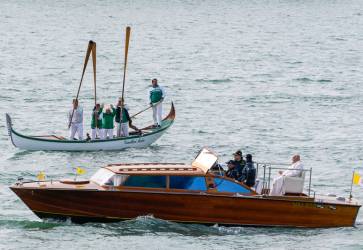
(76, 123)
(278, 183)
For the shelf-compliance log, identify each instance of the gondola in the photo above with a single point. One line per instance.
(142, 138)
(147, 136)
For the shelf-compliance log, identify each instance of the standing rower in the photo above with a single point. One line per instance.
(157, 95)
(96, 123)
(75, 119)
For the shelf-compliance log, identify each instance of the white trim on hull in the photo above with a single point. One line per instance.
(133, 141)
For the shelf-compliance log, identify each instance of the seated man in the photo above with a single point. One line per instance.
(294, 170)
(217, 169)
(232, 171)
(248, 176)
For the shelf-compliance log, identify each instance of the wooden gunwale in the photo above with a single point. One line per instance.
(185, 192)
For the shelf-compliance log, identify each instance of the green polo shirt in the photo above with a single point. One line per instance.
(107, 120)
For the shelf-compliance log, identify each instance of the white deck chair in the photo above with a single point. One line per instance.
(294, 184)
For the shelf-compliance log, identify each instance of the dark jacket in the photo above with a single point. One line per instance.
(240, 165)
(232, 173)
(126, 116)
(248, 174)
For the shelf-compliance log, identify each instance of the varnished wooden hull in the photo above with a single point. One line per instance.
(97, 205)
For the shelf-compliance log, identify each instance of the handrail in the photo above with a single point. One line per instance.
(273, 163)
(305, 170)
(266, 182)
(311, 171)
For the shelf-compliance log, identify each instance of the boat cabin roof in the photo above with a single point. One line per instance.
(155, 169)
(200, 166)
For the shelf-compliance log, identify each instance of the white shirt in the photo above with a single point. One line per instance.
(77, 115)
(294, 170)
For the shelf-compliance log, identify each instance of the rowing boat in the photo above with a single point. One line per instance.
(147, 136)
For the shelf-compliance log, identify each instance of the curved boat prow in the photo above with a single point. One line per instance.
(9, 125)
(171, 115)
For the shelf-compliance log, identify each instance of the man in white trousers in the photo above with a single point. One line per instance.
(76, 120)
(96, 122)
(157, 95)
(123, 128)
(294, 170)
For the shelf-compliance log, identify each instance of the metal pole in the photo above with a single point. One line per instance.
(269, 177)
(351, 186)
(264, 178)
(311, 170)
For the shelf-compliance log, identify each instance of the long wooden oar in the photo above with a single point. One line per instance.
(90, 46)
(145, 109)
(94, 70)
(128, 31)
(94, 80)
(140, 111)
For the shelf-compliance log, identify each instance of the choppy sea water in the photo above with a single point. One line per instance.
(272, 78)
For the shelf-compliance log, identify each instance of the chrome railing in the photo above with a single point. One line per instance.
(266, 175)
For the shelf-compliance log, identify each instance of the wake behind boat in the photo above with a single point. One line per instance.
(147, 136)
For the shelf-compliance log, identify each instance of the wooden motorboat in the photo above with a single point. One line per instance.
(147, 136)
(180, 193)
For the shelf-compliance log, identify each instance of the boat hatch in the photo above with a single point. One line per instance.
(102, 176)
(205, 160)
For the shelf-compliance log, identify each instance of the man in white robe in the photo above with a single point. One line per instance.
(76, 120)
(294, 170)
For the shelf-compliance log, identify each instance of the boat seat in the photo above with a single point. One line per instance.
(294, 184)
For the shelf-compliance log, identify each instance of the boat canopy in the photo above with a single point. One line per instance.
(154, 169)
(170, 176)
(170, 180)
